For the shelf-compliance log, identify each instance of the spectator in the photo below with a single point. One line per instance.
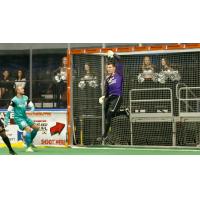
(165, 65)
(61, 79)
(60, 73)
(148, 70)
(167, 72)
(21, 80)
(88, 78)
(6, 87)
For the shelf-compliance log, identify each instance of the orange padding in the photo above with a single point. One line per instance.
(136, 48)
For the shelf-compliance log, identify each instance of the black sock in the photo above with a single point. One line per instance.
(7, 142)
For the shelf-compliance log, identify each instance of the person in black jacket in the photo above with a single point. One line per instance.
(5, 137)
(61, 79)
(6, 87)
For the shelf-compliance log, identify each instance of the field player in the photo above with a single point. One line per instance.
(19, 105)
(113, 92)
(5, 137)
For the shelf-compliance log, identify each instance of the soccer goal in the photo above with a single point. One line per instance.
(159, 81)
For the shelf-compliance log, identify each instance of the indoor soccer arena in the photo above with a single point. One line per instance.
(67, 85)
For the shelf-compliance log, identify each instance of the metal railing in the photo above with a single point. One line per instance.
(153, 116)
(186, 100)
(188, 91)
(168, 100)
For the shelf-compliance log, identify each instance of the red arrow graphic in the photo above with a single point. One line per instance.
(57, 129)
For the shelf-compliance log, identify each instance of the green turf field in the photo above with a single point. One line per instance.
(107, 151)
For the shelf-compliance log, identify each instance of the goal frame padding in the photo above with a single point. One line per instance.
(130, 50)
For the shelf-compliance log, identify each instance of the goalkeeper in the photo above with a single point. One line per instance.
(19, 105)
(113, 92)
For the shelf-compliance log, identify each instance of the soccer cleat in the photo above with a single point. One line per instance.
(24, 144)
(12, 153)
(127, 112)
(33, 146)
(99, 139)
(29, 149)
(102, 140)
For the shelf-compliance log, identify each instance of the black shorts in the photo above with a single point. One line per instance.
(1, 126)
(113, 103)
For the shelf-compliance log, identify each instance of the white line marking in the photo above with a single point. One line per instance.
(136, 149)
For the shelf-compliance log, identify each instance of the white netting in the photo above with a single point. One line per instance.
(141, 71)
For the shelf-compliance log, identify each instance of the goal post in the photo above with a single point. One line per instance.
(155, 118)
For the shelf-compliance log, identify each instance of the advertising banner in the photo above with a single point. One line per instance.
(53, 128)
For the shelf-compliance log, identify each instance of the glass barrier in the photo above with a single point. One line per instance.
(49, 78)
(14, 71)
(47, 85)
(49, 94)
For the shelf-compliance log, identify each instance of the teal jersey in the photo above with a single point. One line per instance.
(20, 106)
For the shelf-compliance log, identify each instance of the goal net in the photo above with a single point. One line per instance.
(153, 90)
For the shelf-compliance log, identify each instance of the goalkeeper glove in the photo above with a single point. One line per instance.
(110, 54)
(101, 99)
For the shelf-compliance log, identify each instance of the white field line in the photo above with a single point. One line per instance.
(140, 149)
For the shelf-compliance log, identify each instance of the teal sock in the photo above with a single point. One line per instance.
(33, 135)
(28, 139)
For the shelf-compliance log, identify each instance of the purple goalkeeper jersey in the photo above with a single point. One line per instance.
(114, 83)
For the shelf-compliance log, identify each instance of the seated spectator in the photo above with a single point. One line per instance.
(88, 78)
(148, 70)
(6, 89)
(21, 80)
(167, 72)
